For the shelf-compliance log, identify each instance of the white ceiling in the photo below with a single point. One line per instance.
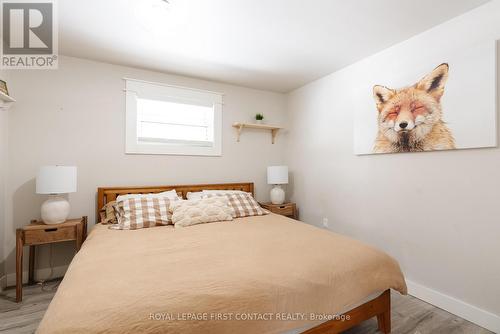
(268, 44)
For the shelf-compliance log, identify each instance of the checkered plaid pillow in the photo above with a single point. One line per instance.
(108, 213)
(243, 204)
(142, 212)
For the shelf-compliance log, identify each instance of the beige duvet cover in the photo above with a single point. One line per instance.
(264, 274)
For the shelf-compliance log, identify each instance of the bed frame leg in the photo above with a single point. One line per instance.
(384, 319)
(380, 307)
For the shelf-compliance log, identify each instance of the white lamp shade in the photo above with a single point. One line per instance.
(277, 175)
(56, 180)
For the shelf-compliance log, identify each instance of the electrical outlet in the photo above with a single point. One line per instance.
(325, 222)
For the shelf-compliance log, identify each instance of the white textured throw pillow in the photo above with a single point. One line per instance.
(207, 210)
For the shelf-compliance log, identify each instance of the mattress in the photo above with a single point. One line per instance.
(251, 275)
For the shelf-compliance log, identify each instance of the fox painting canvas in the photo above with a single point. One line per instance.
(411, 119)
(449, 106)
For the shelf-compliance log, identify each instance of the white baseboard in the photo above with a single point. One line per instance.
(469, 312)
(40, 274)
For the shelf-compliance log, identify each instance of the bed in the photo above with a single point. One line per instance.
(259, 274)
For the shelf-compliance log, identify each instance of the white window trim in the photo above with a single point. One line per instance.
(159, 91)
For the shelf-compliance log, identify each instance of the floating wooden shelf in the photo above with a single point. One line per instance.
(274, 129)
(5, 101)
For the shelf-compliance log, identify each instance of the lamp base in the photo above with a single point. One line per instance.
(55, 210)
(277, 195)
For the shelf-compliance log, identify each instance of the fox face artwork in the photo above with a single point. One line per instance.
(410, 119)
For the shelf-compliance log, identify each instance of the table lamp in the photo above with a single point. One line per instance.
(277, 175)
(55, 180)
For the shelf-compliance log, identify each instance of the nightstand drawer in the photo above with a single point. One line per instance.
(49, 234)
(285, 210)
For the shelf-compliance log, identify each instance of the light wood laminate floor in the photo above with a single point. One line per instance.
(409, 315)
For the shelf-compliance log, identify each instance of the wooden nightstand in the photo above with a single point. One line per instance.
(285, 209)
(38, 233)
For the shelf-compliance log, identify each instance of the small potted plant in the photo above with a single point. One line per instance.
(259, 118)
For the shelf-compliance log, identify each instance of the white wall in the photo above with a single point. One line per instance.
(436, 212)
(4, 119)
(76, 115)
(4, 149)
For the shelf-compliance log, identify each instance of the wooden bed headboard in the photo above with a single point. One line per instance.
(108, 194)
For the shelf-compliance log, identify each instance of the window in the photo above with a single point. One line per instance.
(165, 119)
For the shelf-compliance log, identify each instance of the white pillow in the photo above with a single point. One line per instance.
(224, 192)
(200, 194)
(206, 210)
(170, 194)
(194, 195)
